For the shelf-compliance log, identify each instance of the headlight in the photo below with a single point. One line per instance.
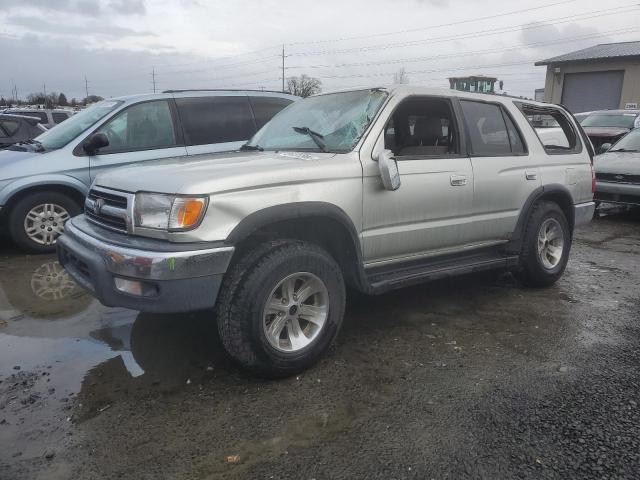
(168, 212)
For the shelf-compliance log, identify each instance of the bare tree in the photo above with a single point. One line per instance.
(303, 86)
(400, 77)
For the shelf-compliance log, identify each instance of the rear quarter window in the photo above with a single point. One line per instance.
(553, 128)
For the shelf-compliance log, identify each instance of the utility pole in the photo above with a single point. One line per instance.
(153, 78)
(44, 88)
(283, 68)
(86, 86)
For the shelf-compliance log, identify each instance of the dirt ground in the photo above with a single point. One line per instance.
(474, 377)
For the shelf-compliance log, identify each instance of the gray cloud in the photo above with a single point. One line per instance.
(128, 7)
(91, 8)
(41, 26)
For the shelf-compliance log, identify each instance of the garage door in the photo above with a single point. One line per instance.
(583, 92)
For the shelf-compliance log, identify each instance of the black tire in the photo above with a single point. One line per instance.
(20, 210)
(245, 291)
(533, 272)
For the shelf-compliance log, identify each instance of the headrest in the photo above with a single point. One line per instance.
(427, 128)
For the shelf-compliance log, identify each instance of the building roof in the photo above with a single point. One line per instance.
(604, 50)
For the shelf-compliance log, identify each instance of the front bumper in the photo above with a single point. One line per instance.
(172, 280)
(611, 192)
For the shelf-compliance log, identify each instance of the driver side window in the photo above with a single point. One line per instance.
(144, 126)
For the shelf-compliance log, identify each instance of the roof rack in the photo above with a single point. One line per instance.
(222, 90)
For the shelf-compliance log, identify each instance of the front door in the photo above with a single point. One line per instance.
(427, 214)
(144, 131)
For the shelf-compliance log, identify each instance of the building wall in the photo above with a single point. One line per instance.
(630, 86)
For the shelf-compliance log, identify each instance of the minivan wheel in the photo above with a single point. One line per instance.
(546, 246)
(280, 308)
(37, 220)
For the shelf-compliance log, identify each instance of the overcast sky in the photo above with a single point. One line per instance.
(238, 43)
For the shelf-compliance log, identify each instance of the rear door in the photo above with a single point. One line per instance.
(504, 174)
(141, 132)
(215, 123)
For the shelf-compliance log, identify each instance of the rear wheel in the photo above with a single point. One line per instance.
(280, 308)
(546, 246)
(37, 220)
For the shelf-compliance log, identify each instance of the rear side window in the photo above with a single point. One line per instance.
(59, 117)
(491, 130)
(264, 108)
(11, 127)
(555, 131)
(207, 120)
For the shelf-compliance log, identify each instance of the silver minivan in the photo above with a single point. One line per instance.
(43, 181)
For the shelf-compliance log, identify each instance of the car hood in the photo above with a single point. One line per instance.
(15, 163)
(205, 174)
(618, 162)
(607, 132)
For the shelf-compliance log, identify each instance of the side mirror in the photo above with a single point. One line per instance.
(388, 167)
(95, 142)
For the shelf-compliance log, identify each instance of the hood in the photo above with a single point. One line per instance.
(606, 132)
(624, 163)
(204, 174)
(15, 163)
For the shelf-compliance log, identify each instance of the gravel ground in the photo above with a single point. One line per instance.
(475, 377)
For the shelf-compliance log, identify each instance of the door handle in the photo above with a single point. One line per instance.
(531, 175)
(458, 180)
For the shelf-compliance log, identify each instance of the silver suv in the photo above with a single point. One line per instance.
(370, 189)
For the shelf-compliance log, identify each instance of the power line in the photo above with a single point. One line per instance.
(430, 27)
(480, 33)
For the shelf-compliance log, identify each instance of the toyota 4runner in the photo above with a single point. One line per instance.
(370, 189)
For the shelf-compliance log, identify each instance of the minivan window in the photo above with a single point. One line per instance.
(265, 108)
(487, 128)
(340, 118)
(207, 120)
(143, 126)
(59, 117)
(10, 126)
(61, 135)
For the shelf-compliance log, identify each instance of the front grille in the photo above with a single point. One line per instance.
(107, 208)
(617, 178)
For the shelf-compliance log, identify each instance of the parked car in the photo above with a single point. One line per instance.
(49, 118)
(372, 189)
(43, 183)
(608, 126)
(618, 171)
(16, 128)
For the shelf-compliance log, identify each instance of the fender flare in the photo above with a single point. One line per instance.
(9, 191)
(554, 189)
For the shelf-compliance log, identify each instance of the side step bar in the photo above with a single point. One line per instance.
(382, 279)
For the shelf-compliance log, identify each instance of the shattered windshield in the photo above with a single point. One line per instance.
(337, 120)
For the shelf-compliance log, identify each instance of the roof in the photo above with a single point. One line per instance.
(602, 51)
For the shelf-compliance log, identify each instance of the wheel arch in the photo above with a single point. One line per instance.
(66, 185)
(556, 193)
(321, 223)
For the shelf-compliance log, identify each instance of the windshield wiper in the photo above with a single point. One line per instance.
(251, 148)
(625, 150)
(315, 136)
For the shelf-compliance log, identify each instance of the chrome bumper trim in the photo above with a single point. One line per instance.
(152, 265)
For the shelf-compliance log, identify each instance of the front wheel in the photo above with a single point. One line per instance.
(546, 246)
(37, 220)
(281, 307)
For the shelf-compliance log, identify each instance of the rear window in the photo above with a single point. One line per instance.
(207, 120)
(624, 120)
(11, 127)
(264, 108)
(491, 130)
(59, 117)
(553, 128)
